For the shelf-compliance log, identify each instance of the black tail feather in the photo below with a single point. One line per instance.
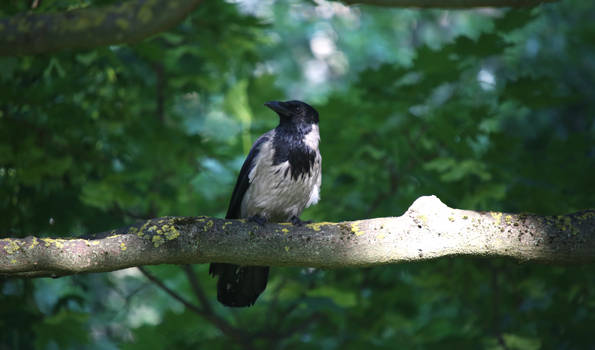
(239, 286)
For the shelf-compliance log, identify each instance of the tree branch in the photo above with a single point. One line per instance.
(448, 3)
(237, 335)
(429, 229)
(197, 289)
(126, 22)
(132, 21)
(170, 292)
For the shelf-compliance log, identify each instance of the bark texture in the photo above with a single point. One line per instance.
(429, 229)
(126, 22)
(452, 4)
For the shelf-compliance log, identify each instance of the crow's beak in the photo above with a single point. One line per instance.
(278, 107)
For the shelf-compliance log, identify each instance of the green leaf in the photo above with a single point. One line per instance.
(64, 329)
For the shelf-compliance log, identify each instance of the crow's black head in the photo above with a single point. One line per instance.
(294, 111)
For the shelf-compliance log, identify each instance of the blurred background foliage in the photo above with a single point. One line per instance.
(487, 109)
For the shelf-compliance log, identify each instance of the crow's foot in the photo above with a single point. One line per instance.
(297, 222)
(260, 220)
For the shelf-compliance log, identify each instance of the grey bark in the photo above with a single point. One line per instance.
(429, 229)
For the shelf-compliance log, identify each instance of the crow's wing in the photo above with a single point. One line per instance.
(241, 285)
(235, 205)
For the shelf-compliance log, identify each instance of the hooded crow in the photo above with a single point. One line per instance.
(280, 177)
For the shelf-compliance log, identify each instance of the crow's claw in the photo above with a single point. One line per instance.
(260, 220)
(297, 222)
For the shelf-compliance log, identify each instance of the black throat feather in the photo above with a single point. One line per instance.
(288, 145)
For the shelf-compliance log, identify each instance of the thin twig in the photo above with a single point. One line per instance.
(196, 287)
(173, 294)
(496, 308)
(239, 336)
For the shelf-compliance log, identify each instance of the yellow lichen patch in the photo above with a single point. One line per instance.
(157, 241)
(34, 243)
(285, 231)
(423, 218)
(317, 226)
(451, 219)
(497, 217)
(587, 215)
(13, 261)
(141, 231)
(11, 247)
(355, 229)
(286, 248)
(171, 233)
(564, 223)
(208, 225)
(133, 230)
(122, 246)
(59, 243)
(508, 219)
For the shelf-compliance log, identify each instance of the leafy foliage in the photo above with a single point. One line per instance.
(488, 110)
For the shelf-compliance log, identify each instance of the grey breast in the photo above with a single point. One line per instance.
(273, 193)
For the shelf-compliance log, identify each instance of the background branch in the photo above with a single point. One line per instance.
(196, 288)
(132, 21)
(126, 22)
(170, 291)
(237, 335)
(449, 3)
